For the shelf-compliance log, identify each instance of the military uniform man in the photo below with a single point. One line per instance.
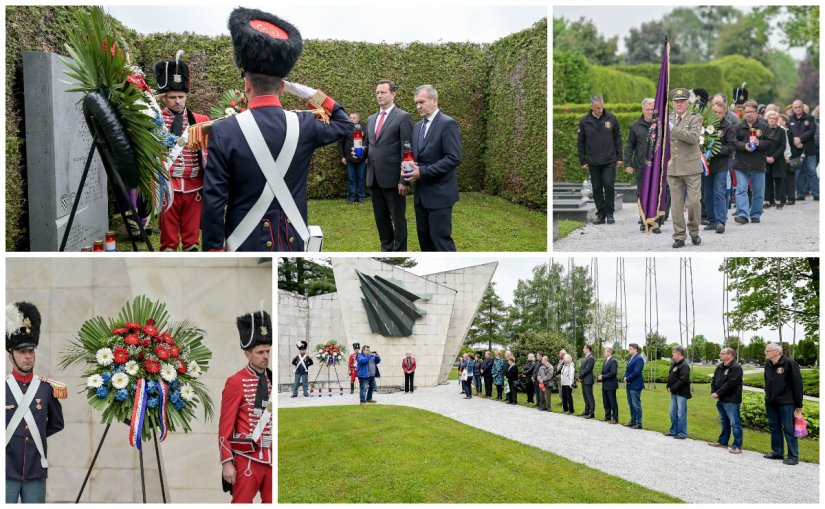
(180, 220)
(684, 171)
(255, 193)
(245, 428)
(33, 410)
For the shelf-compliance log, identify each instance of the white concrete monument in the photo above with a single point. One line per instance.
(391, 310)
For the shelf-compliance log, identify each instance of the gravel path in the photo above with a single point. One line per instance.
(687, 469)
(794, 228)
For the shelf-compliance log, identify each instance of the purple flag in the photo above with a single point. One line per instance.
(653, 194)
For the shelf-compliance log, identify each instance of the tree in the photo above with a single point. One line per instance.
(405, 262)
(306, 276)
(583, 37)
(712, 351)
(488, 322)
(757, 349)
(807, 87)
(753, 282)
(656, 346)
(697, 348)
(785, 77)
(808, 351)
(604, 327)
(645, 44)
(802, 29)
(748, 37)
(549, 343)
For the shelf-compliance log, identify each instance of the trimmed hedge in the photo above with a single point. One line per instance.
(515, 158)
(581, 109)
(616, 86)
(571, 77)
(754, 415)
(33, 28)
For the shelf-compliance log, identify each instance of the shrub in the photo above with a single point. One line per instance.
(617, 86)
(570, 77)
(755, 416)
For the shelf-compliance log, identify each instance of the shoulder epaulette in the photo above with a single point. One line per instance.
(59, 389)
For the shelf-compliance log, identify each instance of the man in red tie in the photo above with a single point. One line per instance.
(387, 131)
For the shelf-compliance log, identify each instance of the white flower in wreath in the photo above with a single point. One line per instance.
(701, 140)
(131, 367)
(94, 382)
(710, 129)
(194, 369)
(104, 356)
(120, 380)
(230, 111)
(187, 392)
(168, 373)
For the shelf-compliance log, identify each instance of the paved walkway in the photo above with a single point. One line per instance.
(687, 469)
(792, 229)
(758, 389)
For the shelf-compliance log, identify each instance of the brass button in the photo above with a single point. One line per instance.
(266, 224)
(291, 240)
(27, 439)
(288, 221)
(268, 243)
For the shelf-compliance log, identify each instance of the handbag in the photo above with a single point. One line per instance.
(800, 426)
(541, 386)
(464, 376)
(796, 162)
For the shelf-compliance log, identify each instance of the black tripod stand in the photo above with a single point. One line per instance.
(334, 366)
(142, 474)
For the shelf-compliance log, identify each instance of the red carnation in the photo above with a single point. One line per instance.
(150, 331)
(181, 367)
(233, 103)
(145, 342)
(162, 352)
(131, 339)
(151, 366)
(243, 100)
(150, 321)
(140, 356)
(243, 109)
(237, 93)
(121, 355)
(174, 351)
(120, 331)
(132, 326)
(165, 337)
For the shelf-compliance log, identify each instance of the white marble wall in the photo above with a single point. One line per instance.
(209, 292)
(454, 297)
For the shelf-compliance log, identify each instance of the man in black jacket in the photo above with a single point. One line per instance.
(783, 398)
(715, 191)
(678, 385)
(586, 378)
(802, 127)
(609, 386)
(749, 163)
(487, 374)
(600, 150)
(726, 389)
(512, 378)
(637, 148)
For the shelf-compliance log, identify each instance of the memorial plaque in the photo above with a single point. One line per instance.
(57, 144)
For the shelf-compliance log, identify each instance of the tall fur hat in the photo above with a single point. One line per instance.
(22, 326)
(702, 96)
(264, 43)
(740, 94)
(172, 75)
(255, 329)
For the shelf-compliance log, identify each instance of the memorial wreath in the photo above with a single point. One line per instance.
(330, 352)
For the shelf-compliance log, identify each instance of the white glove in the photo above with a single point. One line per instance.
(298, 90)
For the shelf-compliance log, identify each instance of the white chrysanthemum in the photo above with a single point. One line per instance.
(105, 357)
(168, 373)
(701, 140)
(230, 111)
(94, 381)
(710, 129)
(194, 369)
(187, 392)
(120, 380)
(131, 367)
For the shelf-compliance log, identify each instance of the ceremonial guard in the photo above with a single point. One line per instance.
(245, 429)
(180, 220)
(255, 193)
(33, 410)
(353, 366)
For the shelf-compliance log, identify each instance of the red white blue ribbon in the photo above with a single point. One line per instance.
(705, 165)
(164, 393)
(138, 414)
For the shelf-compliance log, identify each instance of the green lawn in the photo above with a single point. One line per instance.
(810, 381)
(394, 454)
(480, 223)
(703, 419)
(566, 226)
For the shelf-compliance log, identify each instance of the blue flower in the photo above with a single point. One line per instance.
(121, 395)
(174, 385)
(153, 402)
(151, 387)
(178, 404)
(107, 377)
(158, 121)
(102, 392)
(174, 397)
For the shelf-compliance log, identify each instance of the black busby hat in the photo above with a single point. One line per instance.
(264, 43)
(22, 326)
(740, 94)
(255, 329)
(356, 346)
(302, 345)
(701, 97)
(172, 75)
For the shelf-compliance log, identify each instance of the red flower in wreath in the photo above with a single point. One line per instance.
(174, 351)
(120, 331)
(150, 331)
(167, 338)
(150, 321)
(132, 326)
(145, 342)
(121, 355)
(162, 352)
(233, 103)
(132, 339)
(181, 367)
(151, 366)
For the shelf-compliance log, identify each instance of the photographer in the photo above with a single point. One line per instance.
(367, 373)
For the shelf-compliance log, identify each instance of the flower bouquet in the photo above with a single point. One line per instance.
(330, 353)
(143, 370)
(231, 103)
(709, 143)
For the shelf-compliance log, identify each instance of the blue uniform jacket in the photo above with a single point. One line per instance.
(363, 366)
(633, 373)
(22, 458)
(609, 370)
(233, 181)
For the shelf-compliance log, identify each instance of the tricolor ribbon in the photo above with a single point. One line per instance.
(139, 412)
(705, 165)
(164, 397)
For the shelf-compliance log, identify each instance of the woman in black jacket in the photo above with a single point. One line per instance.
(776, 169)
(529, 373)
(512, 378)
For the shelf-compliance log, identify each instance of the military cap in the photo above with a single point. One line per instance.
(679, 94)
(172, 75)
(22, 326)
(740, 94)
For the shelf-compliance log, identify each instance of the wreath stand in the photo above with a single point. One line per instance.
(142, 472)
(101, 143)
(329, 362)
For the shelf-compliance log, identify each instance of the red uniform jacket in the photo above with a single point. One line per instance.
(186, 173)
(239, 418)
(405, 367)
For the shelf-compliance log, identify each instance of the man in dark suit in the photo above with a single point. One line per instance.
(586, 378)
(634, 384)
(387, 131)
(240, 209)
(609, 386)
(437, 153)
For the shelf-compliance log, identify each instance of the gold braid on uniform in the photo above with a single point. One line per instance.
(59, 389)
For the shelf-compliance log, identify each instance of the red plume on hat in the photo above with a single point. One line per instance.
(264, 43)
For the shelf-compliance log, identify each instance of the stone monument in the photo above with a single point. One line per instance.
(57, 145)
(391, 310)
